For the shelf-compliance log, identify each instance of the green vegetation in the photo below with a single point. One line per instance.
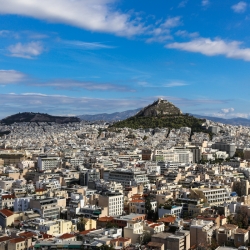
(240, 219)
(169, 121)
(239, 154)
(81, 224)
(37, 117)
(2, 133)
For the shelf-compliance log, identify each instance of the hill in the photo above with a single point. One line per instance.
(161, 114)
(159, 108)
(37, 117)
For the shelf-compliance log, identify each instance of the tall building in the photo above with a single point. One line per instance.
(47, 208)
(113, 200)
(201, 233)
(227, 147)
(45, 162)
(128, 177)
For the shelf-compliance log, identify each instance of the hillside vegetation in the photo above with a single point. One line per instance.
(170, 121)
(37, 117)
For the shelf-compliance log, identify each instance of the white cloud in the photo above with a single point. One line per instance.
(94, 15)
(11, 76)
(209, 47)
(205, 2)
(28, 50)
(183, 4)
(88, 85)
(240, 7)
(87, 45)
(227, 110)
(184, 33)
(172, 22)
(161, 33)
(174, 84)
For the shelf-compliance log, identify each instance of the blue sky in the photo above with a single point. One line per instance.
(74, 57)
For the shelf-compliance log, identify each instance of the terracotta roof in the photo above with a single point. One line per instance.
(17, 240)
(66, 236)
(122, 239)
(46, 236)
(8, 196)
(4, 238)
(27, 234)
(137, 200)
(6, 212)
(40, 190)
(155, 225)
(169, 219)
(105, 219)
(206, 218)
(86, 231)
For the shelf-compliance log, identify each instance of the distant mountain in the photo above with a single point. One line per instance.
(117, 116)
(231, 121)
(37, 117)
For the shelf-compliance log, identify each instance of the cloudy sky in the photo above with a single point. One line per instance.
(74, 57)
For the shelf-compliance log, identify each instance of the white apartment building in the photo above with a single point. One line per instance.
(172, 210)
(173, 155)
(134, 230)
(48, 184)
(76, 161)
(114, 201)
(25, 164)
(212, 196)
(21, 204)
(45, 162)
(128, 177)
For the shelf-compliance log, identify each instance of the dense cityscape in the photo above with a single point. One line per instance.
(124, 125)
(89, 185)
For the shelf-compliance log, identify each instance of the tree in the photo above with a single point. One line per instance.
(144, 238)
(81, 224)
(148, 208)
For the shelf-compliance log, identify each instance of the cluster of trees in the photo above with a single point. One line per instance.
(240, 219)
(151, 215)
(170, 121)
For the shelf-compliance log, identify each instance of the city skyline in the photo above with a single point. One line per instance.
(87, 57)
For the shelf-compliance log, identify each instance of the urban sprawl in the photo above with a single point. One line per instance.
(83, 186)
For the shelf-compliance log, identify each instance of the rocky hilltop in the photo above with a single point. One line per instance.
(161, 114)
(37, 117)
(159, 108)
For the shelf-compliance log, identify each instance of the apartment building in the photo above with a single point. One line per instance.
(128, 177)
(170, 210)
(212, 196)
(22, 204)
(56, 227)
(46, 162)
(230, 148)
(180, 240)
(47, 208)
(114, 201)
(174, 155)
(201, 232)
(134, 230)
